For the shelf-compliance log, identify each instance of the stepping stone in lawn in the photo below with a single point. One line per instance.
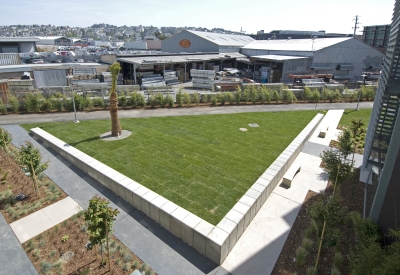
(67, 256)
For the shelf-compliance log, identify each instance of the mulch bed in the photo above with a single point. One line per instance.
(17, 183)
(46, 250)
(352, 192)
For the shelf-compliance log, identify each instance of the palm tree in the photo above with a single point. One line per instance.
(115, 126)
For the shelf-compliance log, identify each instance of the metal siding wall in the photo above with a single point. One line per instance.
(352, 52)
(9, 59)
(198, 44)
(50, 78)
(27, 47)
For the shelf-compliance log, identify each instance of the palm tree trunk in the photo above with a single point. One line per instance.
(115, 125)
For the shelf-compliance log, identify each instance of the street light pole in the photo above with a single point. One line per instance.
(73, 96)
(359, 92)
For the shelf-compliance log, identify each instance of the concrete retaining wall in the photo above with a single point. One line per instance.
(214, 242)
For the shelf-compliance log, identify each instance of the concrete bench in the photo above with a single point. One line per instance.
(288, 177)
(322, 132)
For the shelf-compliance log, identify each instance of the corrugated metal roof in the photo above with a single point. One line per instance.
(224, 39)
(19, 39)
(303, 45)
(278, 57)
(179, 58)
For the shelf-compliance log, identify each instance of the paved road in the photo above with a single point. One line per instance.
(162, 112)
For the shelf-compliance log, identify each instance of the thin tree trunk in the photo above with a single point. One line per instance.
(108, 248)
(35, 180)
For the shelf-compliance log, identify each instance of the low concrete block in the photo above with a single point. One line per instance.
(188, 225)
(245, 210)
(217, 245)
(237, 218)
(229, 227)
(257, 196)
(137, 196)
(260, 188)
(165, 214)
(130, 189)
(155, 206)
(113, 182)
(145, 201)
(200, 234)
(122, 184)
(176, 221)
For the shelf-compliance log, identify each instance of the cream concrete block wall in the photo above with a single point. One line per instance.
(214, 242)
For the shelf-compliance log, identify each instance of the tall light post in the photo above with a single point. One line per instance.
(73, 96)
(359, 92)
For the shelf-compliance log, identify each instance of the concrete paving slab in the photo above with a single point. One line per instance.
(331, 121)
(41, 220)
(13, 260)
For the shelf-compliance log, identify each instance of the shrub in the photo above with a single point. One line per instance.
(128, 257)
(222, 98)
(169, 101)
(205, 99)
(45, 266)
(214, 100)
(3, 108)
(335, 271)
(186, 99)
(179, 98)
(238, 95)
(36, 253)
(89, 103)
(337, 260)
(301, 254)
(306, 243)
(307, 94)
(315, 97)
(275, 96)
(246, 94)
(122, 100)
(47, 105)
(135, 264)
(287, 96)
(143, 267)
(125, 267)
(311, 271)
(33, 102)
(196, 98)
(57, 103)
(149, 272)
(254, 94)
(229, 98)
(137, 99)
(98, 102)
(13, 103)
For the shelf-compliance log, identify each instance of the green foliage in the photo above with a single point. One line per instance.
(316, 96)
(311, 270)
(137, 99)
(307, 94)
(3, 107)
(306, 243)
(238, 95)
(98, 215)
(222, 98)
(346, 142)
(338, 260)
(196, 98)
(99, 102)
(143, 267)
(246, 94)
(57, 102)
(135, 264)
(47, 105)
(65, 238)
(45, 267)
(301, 254)
(287, 96)
(275, 96)
(330, 95)
(254, 94)
(122, 100)
(335, 271)
(205, 99)
(13, 103)
(329, 209)
(52, 253)
(149, 272)
(30, 159)
(186, 99)
(368, 92)
(332, 158)
(179, 98)
(169, 101)
(36, 253)
(33, 102)
(5, 139)
(229, 98)
(214, 100)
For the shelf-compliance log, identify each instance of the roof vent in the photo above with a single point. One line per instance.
(289, 38)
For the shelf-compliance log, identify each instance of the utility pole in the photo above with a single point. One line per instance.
(355, 25)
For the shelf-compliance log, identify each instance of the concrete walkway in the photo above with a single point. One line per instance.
(258, 249)
(13, 260)
(162, 112)
(43, 219)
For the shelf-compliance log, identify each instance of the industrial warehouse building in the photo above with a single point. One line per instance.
(343, 57)
(195, 41)
(18, 44)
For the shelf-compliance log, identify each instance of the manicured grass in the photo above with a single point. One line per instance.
(349, 115)
(202, 163)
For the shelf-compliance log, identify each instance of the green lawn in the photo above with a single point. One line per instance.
(202, 163)
(349, 115)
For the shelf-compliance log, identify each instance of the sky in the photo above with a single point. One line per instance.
(306, 15)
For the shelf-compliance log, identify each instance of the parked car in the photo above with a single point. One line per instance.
(37, 61)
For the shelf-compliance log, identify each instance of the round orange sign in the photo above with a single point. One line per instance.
(184, 43)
